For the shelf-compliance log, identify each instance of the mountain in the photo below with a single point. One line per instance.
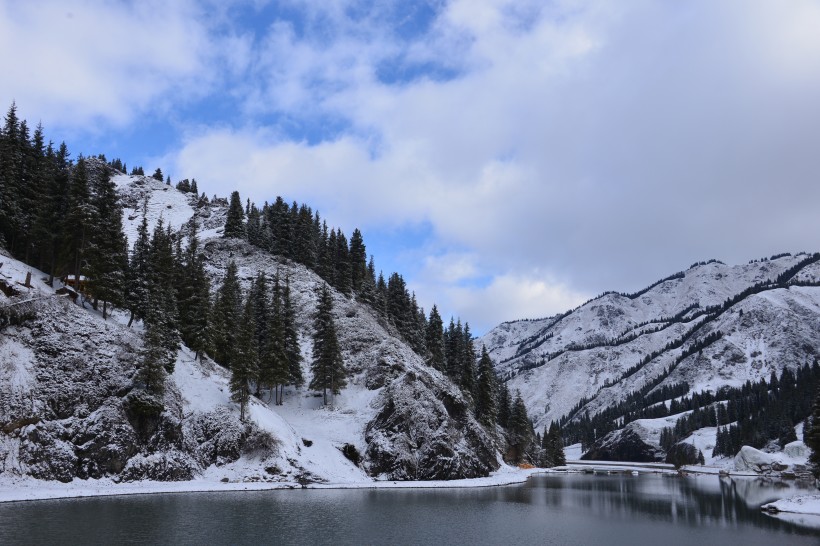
(69, 408)
(700, 330)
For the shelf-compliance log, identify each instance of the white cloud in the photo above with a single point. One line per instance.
(602, 147)
(557, 150)
(78, 63)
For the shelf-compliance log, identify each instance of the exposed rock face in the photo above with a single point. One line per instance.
(70, 412)
(425, 433)
(104, 441)
(624, 445)
(167, 466)
(46, 455)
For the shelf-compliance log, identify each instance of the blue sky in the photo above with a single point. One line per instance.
(510, 158)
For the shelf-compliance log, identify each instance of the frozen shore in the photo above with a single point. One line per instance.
(803, 504)
(14, 489)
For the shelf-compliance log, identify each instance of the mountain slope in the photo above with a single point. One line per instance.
(617, 344)
(69, 409)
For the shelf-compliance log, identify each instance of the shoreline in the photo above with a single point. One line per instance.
(24, 489)
(30, 489)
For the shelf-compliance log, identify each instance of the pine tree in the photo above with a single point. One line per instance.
(503, 406)
(245, 361)
(194, 296)
(274, 363)
(153, 362)
(227, 310)
(235, 223)
(138, 275)
(329, 372)
(79, 219)
(519, 431)
(341, 263)
(454, 350)
(467, 382)
(812, 439)
(254, 226)
(51, 211)
(108, 248)
(292, 349)
(358, 261)
(485, 406)
(162, 303)
(11, 162)
(555, 446)
(435, 340)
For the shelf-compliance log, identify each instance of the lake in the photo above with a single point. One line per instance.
(549, 509)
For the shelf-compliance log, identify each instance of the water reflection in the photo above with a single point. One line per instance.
(695, 500)
(549, 509)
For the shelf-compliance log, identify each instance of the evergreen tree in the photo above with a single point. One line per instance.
(235, 222)
(358, 261)
(154, 355)
(138, 279)
(812, 438)
(162, 310)
(468, 383)
(275, 362)
(435, 340)
(158, 175)
(292, 349)
(50, 223)
(11, 163)
(194, 296)
(341, 264)
(329, 372)
(555, 446)
(245, 359)
(485, 406)
(227, 311)
(519, 431)
(108, 247)
(79, 219)
(503, 406)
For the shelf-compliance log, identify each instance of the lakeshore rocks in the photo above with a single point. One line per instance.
(626, 444)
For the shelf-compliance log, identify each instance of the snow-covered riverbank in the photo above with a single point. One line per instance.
(28, 489)
(804, 504)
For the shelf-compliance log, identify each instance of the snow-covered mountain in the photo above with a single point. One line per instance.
(66, 375)
(767, 314)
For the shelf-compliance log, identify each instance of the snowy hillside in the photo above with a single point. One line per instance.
(68, 408)
(765, 311)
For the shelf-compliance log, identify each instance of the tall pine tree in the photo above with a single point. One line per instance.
(329, 372)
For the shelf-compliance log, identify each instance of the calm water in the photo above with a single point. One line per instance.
(554, 509)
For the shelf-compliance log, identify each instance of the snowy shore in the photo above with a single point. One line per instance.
(15, 489)
(804, 504)
(29, 489)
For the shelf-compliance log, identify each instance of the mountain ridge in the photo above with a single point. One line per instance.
(595, 340)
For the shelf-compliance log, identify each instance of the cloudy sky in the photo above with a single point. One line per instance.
(509, 158)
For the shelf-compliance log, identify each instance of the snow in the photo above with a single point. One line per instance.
(26, 489)
(309, 437)
(155, 199)
(573, 452)
(803, 504)
(760, 335)
(751, 459)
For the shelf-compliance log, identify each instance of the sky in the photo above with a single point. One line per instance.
(511, 159)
